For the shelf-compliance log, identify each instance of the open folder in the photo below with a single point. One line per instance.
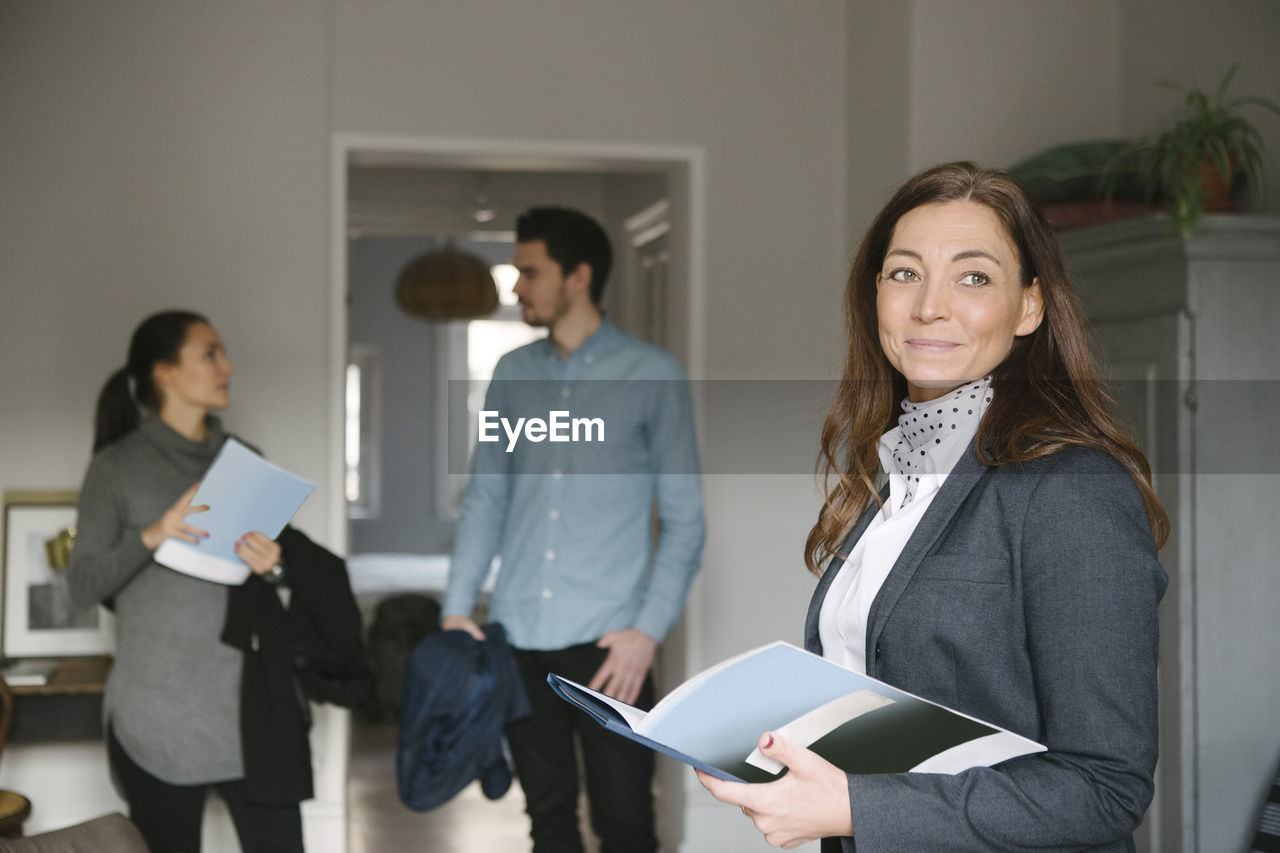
(244, 493)
(714, 720)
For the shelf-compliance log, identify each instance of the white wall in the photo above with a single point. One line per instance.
(877, 109)
(157, 155)
(988, 80)
(996, 81)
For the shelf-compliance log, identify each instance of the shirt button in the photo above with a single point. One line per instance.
(564, 392)
(590, 358)
(546, 593)
(555, 513)
(551, 555)
(557, 474)
(879, 653)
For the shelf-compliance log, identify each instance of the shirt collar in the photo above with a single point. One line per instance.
(601, 341)
(930, 438)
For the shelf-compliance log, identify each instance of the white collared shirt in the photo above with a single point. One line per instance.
(918, 455)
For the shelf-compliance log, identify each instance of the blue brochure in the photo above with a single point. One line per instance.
(244, 493)
(714, 720)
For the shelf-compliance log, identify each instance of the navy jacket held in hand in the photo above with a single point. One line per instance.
(459, 694)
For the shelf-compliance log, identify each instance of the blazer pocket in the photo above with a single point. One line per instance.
(962, 567)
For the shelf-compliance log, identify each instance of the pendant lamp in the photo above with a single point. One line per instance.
(446, 284)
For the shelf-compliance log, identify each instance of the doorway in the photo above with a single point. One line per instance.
(396, 197)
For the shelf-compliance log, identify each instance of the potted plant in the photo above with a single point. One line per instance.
(1192, 164)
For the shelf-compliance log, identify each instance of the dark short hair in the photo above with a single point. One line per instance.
(571, 238)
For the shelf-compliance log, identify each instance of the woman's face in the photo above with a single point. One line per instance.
(201, 377)
(949, 301)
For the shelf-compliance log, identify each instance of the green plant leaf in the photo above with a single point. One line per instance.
(1226, 82)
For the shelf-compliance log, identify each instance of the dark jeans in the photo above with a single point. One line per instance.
(169, 816)
(619, 773)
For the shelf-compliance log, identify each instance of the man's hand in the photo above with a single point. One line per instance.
(462, 623)
(624, 669)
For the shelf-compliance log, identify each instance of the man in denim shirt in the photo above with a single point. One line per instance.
(584, 436)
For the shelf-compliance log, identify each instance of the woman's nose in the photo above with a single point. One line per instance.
(932, 303)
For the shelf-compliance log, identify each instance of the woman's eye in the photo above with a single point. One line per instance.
(904, 274)
(975, 279)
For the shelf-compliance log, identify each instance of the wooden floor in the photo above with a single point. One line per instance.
(379, 823)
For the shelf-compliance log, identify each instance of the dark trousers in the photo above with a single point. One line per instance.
(619, 773)
(169, 816)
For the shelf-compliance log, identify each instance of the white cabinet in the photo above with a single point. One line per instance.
(1191, 331)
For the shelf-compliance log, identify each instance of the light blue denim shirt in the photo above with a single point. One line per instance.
(573, 521)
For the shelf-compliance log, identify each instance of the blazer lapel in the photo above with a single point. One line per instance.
(811, 640)
(969, 469)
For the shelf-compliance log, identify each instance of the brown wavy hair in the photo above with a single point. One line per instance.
(1048, 395)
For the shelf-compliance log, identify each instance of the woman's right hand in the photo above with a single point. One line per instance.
(173, 524)
(810, 802)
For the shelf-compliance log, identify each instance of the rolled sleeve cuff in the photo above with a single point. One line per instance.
(458, 603)
(653, 624)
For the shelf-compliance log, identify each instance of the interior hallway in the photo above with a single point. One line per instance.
(380, 823)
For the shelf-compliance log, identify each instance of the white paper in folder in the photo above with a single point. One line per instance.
(244, 492)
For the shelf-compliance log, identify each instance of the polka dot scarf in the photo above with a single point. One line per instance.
(932, 436)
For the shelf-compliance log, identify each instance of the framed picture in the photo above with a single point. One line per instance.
(39, 618)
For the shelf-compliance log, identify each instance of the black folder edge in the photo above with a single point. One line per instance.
(613, 721)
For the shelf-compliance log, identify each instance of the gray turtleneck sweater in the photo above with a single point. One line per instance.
(173, 697)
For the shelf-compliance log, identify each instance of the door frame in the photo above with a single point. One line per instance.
(686, 168)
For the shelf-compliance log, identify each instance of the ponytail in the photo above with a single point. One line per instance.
(129, 390)
(117, 414)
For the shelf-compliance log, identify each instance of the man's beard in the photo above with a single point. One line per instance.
(558, 311)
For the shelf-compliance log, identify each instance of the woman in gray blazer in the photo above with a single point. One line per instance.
(1007, 568)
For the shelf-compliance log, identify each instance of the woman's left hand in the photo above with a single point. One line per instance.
(810, 802)
(259, 553)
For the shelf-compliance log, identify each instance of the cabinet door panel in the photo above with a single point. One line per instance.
(1147, 365)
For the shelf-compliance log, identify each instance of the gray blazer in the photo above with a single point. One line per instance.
(1026, 597)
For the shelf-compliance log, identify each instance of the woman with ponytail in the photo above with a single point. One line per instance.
(173, 698)
(987, 541)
